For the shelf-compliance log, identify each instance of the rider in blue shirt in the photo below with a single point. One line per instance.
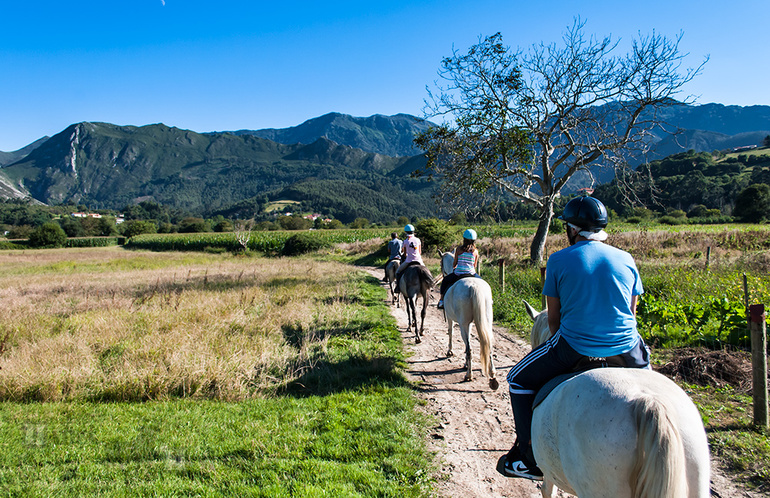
(395, 247)
(591, 292)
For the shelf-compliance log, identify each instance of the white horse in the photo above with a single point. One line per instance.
(468, 301)
(390, 275)
(619, 432)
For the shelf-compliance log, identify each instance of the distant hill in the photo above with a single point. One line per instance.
(388, 135)
(336, 164)
(108, 166)
(11, 157)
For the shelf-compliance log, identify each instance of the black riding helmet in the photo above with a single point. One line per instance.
(585, 212)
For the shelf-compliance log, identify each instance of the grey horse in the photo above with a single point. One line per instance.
(390, 276)
(415, 279)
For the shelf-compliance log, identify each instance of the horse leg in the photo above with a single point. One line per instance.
(413, 305)
(408, 315)
(450, 330)
(547, 488)
(423, 312)
(465, 331)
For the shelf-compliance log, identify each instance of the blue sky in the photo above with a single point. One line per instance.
(248, 64)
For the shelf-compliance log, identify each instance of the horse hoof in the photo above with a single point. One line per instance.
(449, 354)
(417, 341)
(493, 384)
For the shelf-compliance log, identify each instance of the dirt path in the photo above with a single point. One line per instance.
(475, 424)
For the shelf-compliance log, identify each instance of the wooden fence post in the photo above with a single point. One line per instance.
(758, 330)
(708, 257)
(501, 265)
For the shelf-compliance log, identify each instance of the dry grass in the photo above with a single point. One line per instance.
(111, 324)
(729, 247)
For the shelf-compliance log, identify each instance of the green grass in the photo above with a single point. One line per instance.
(741, 448)
(345, 444)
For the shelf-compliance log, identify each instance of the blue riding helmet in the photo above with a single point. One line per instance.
(409, 228)
(585, 212)
(469, 234)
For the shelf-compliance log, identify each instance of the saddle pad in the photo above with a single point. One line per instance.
(551, 385)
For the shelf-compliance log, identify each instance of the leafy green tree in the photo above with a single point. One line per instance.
(137, 227)
(766, 141)
(753, 203)
(458, 219)
(193, 225)
(20, 232)
(333, 225)
(72, 227)
(402, 221)
(48, 235)
(294, 222)
(360, 223)
(528, 122)
(436, 234)
(223, 226)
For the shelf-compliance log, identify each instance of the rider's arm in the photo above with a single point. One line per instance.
(554, 313)
(634, 300)
(457, 253)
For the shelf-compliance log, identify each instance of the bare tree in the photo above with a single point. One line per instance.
(528, 122)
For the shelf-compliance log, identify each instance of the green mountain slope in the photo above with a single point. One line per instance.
(108, 166)
(388, 135)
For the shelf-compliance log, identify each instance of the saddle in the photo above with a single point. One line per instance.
(583, 365)
(399, 275)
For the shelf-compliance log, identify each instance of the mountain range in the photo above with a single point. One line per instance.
(340, 165)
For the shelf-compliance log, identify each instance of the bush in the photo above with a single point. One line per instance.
(223, 226)
(436, 234)
(672, 220)
(137, 227)
(92, 242)
(302, 243)
(557, 226)
(360, 223)
(48, 235)
(753, 203)
(20, 232)
(193, 225)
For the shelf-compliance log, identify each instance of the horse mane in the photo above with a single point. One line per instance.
(541, 332)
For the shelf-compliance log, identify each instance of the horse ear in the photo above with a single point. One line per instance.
(531, 311)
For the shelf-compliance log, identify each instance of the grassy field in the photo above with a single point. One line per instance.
(196, 373)
(168, 374)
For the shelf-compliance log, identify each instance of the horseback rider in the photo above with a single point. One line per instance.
(411, 251)
(591, 291)
(466, 264)
(394, 249)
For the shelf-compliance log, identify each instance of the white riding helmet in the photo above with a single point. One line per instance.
(409, 228)
(469, 234)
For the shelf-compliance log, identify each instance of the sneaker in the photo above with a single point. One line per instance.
(518, 465)
(440, 304)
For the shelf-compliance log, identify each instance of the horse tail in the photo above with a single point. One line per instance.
(659, 467)
(426, 276)
(482, 317)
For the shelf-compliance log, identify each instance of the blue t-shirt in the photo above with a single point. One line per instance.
(395, 248)
(594, 283)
